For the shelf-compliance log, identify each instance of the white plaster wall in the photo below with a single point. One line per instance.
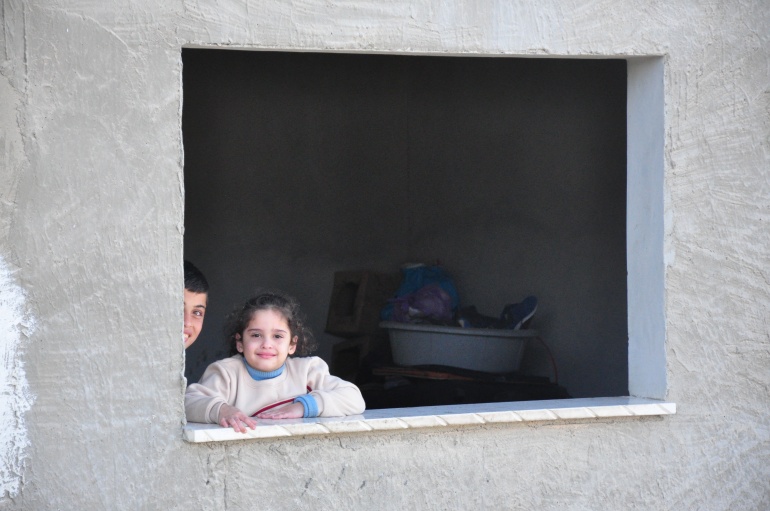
(15, 398)
(93, 208)
(16, 321)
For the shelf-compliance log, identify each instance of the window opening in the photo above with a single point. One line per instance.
(511, 172)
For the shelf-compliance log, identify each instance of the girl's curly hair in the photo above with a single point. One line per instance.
(237, 321)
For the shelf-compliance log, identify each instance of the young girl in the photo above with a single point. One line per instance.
(259, 380)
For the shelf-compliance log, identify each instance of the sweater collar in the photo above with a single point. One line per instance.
(258, 375)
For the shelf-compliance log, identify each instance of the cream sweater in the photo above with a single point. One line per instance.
(228, 381)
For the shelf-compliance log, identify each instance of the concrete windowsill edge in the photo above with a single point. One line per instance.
(439, 416)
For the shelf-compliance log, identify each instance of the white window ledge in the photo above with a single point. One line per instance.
(439, 416)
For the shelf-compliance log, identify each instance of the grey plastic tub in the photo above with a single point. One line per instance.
(478, 349)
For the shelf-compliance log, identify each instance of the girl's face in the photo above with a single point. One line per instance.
(266, 342)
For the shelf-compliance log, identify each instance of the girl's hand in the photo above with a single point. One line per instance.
(289, 411)
(231, 416)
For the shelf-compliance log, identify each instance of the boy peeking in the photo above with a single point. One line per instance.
(196, 293)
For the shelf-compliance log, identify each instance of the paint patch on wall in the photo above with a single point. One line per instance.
(15, 397)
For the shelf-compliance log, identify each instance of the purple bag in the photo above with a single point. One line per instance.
(430, 303)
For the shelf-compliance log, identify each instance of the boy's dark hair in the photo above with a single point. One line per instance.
(237, 321)
(193, 279)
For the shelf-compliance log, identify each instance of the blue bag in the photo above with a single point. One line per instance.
(417, 277)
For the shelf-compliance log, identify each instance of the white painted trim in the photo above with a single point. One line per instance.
(438, 417)
(645, 229)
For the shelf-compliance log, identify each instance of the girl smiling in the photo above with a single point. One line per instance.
(261, 380)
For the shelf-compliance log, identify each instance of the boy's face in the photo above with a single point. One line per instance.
(194, 310)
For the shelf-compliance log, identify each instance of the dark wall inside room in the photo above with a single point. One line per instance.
(511, 172)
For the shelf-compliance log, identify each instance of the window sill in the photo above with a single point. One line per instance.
(439, 416)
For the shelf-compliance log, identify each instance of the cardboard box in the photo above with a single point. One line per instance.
(356, 300)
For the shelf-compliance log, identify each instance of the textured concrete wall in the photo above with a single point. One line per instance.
(91, 245)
